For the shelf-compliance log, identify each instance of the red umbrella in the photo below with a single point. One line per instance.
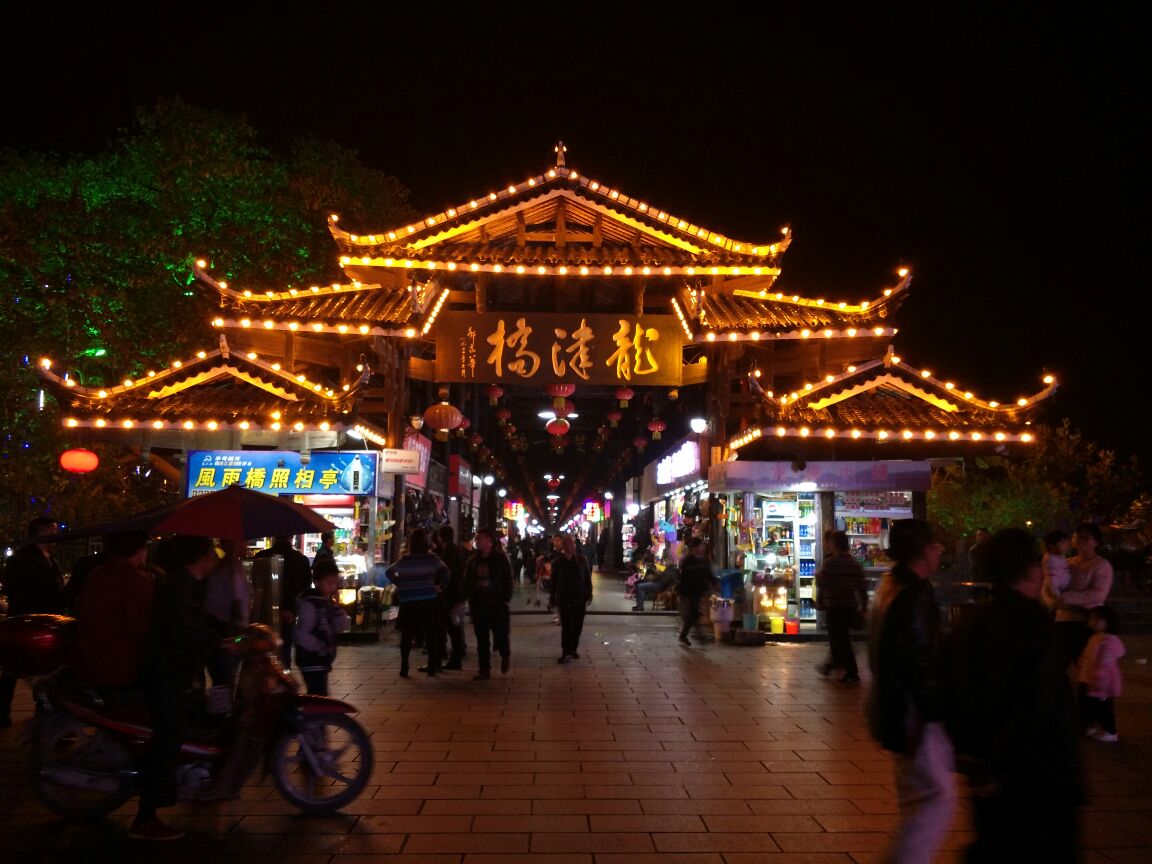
(237, 513)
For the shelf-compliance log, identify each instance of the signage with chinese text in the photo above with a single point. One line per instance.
(684, 461)
(513, 510)
(400, 461)
(549, 346)
(413, 440)
(283, 472)
(882, 475)
(592, 511)
(459, 477)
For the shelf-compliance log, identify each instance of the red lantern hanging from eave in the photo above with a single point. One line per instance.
(79, 460)
(553, 483)
(625, 395)
(615, 417)
(475, 440)
(502, 416)
(443, 418)
(494, 391)
(640, 442)
(656, 426)
(558, 427)
(465, 423)
(559, 392)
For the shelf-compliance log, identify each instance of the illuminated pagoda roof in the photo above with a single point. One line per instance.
(889, 400)
(516, 244)
(215, 390)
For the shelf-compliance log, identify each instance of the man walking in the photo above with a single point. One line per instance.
(696, 580)
(488, 584)
(571, 594)
(841, 595)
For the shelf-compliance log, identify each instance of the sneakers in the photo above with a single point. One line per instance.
(505, 663)
(849, 678)
(482, 675)
(684, 640)
(154, 829)
(637, 608)
(564, 659)
(1106, 737)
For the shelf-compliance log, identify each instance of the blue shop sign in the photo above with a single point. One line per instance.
(283, 472)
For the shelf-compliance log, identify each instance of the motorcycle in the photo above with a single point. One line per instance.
(88, 751)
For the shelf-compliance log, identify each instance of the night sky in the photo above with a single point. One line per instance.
(1000, 154)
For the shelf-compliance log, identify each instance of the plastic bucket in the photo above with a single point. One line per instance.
(777, 625)
(750, 622)
(792, 627)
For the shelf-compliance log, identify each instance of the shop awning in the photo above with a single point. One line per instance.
(883, 475)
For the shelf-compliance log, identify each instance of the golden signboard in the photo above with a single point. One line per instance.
(546, 347)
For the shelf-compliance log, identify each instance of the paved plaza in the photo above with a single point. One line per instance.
(640, 751)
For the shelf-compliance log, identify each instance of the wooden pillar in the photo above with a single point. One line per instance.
(638, 287)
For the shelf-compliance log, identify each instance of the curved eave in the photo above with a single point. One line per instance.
(1016, 433)
(260, 373)
(437, 226)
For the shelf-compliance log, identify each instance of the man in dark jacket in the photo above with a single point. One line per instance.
(906, 701)
(840, 593)
(696, 580)
(488, 584)
(178, 644)
(295, 579)
(453, 594)
(1013, 718)
(34, 584)
(571, 594)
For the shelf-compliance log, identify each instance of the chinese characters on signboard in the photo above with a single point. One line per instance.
(544, 347)
(282, 472)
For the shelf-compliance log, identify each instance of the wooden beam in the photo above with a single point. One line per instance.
(521, 229)
(597, 231)
(638, 297)
(561, 225)
(481, 292)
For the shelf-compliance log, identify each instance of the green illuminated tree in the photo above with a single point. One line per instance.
(96, 254)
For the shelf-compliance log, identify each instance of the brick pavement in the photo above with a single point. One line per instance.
(641, 751)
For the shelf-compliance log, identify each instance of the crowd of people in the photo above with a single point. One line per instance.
(1002, 696)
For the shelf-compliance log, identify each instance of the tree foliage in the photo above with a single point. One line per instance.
(1062, 480)
(96, 253)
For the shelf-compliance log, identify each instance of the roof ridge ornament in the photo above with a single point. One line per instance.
(224, 349)
(890, 357)
(560, 151)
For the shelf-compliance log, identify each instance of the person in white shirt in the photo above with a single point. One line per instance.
(1089, 587)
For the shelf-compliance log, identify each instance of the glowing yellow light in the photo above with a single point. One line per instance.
(882, 434)
(851, 331)
(993, 404)
(902, 272)
(244, 322)
(1027, 436)
(343, 328)
(926, 374)
(102, 394)
(324, 426)
(829, 378)
(856, 433)
(188, 424)
(410, 332)
(829, 433)
(212, 424)
(929, 434)
(157, 424)
(275, 415)
(1000, 436)
(804, 432)
(851, 368)
(1048, 379)
(732, 337)
(1021, 402)
(244, 424)
(711, 337)
(276, 426)
(298, 426)
(754, 335)
(954, 435)
(976, 436)
(805, 333)
(907, 434)
(781, 431)
(251, 355)
(201, 263)
(364, 328)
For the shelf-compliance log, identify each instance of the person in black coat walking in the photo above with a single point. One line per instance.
(571, 593)
(488, 584)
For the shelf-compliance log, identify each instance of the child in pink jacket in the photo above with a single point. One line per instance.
(1098, 673)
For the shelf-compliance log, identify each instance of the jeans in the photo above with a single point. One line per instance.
(571, 626)
(690, 615)
(838, 620)
(490, 623)
(642, 590)
(927, 794)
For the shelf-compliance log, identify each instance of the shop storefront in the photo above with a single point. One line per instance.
(775, 515)
(674, 487)
(460, 515)
(340, 485)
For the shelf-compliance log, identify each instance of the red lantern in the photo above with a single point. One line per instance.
(624, 394)
(640, 442)
(494, 391)
(443, 418)
(465, 423)
(79, 461)
(475, 440)
(615, 417)
(502, 415)
(559, 392)
(656, 426)
(553, 483)
(558, 427)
